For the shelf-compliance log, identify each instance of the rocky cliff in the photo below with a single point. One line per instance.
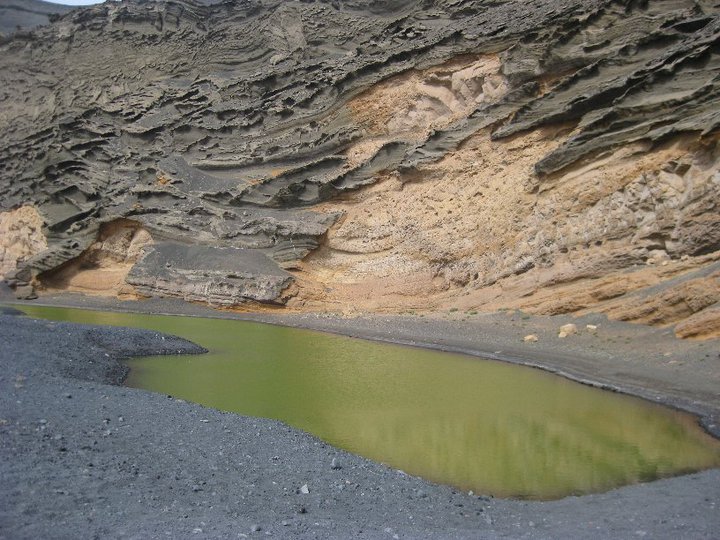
(553, 156)
(24, 15)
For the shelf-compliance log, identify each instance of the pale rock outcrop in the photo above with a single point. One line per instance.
(702, 325)
(21, 237)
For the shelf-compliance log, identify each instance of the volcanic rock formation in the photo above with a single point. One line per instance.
(23, 15)
(553, 156)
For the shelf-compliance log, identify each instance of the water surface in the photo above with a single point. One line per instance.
(479, 425)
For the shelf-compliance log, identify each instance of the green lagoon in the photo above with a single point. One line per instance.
(475, 424)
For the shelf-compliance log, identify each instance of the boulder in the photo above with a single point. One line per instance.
(567, 330)
(25, 292)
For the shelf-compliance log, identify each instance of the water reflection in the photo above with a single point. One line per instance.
(481, 425)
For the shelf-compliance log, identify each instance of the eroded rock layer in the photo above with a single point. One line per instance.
(552, 156)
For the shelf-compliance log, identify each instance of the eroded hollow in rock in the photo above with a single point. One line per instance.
(103, 267)
(413, 104)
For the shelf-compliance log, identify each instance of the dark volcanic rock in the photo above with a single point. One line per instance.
(217, 276)
(17, 15)
(226, 123)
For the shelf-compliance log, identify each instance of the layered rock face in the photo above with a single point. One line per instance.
(552, 156)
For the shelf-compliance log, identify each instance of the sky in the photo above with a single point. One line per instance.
(76, 2)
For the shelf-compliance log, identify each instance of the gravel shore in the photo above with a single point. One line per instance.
(83, 457)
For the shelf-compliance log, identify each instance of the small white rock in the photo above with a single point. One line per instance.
(567, 330)
(530, 338)
(304, 489)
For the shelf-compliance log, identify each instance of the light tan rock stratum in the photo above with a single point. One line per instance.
(480, 230)
(21, 237)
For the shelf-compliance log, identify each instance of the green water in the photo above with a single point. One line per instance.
(491, 427)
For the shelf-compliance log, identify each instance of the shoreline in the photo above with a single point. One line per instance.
(646, 383)
(83, 458)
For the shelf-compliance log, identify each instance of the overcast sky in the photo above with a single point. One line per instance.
(76, 2)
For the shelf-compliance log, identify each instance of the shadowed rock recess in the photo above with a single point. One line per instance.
(553, 156)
